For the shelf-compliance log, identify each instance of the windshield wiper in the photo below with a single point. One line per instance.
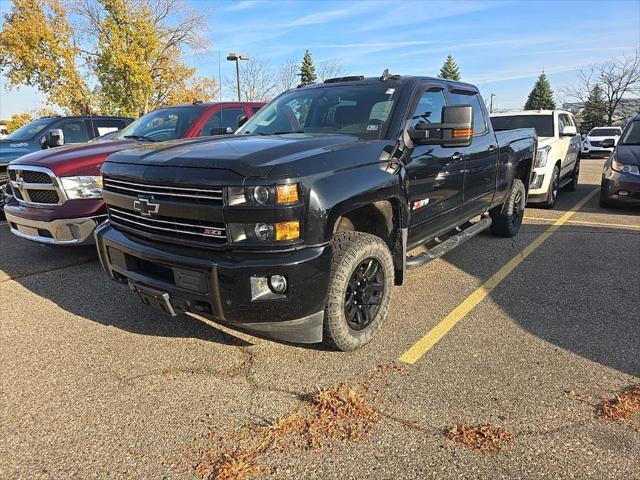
(139, 137)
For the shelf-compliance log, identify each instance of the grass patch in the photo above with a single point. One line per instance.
(479, 437)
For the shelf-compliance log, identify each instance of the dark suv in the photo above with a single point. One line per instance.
(49, 132)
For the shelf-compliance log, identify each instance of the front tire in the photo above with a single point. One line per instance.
(507, 218)
(362, 276)
(552, 193)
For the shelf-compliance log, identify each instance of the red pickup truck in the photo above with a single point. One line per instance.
(56, 195)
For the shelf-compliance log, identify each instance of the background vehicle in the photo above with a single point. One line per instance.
(558, 158)
(4, 131)
(58, 197)
(592, 144)
(621, 172)
(49, 132)
(298, 226)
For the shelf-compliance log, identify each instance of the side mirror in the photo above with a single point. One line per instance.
(608, 143)
(569, 131)
(242, 119)
(220, 131)
(456, 129)
(54, 138)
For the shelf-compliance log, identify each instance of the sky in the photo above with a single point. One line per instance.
(501, 46)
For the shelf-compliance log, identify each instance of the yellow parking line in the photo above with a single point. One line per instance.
(434, 335)
(591, 224)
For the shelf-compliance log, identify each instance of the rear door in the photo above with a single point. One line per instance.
(568, 150)
(480, 158)
(435, 174)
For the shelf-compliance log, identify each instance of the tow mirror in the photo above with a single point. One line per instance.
(569, 131)
(220, 131)
(608, 143)
(242, 119)
(456, 129)
(54, 138)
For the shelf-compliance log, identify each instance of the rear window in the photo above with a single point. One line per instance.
(542, 123)
(604, 132)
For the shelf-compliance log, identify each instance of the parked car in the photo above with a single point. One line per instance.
(558, 158)
(621, 172)
(298, 226)
(4, 131)
(49, 132)
(57, 197)
(592, 144)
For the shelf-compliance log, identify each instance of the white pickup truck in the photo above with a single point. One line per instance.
(558, 160)
(591, 145)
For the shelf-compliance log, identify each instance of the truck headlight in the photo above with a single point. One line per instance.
(82, 187)
(264, 232)
(286, 194)
(541, 156)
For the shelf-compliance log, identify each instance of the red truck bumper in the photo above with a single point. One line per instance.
(71, 223)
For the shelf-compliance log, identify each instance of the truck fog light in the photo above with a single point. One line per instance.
(278, 283)
(263, 231)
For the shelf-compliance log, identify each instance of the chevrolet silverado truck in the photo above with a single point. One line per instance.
(57, 194)
(51, 132)
(558, 159)
(299, 225)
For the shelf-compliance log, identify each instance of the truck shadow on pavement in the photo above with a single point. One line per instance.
(578, 290)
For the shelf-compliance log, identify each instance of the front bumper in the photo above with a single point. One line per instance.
(66, 231)
(539, 185)
(620, 187)
(219, 284)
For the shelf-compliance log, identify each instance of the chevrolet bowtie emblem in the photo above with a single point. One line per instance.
(145, 207)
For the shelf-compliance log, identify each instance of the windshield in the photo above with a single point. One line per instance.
(361, 110)
(604, 132)
(542, 123)
(30, 130)
(164, 124)
(631, 136)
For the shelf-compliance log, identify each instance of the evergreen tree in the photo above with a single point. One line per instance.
(541, 97)
(450, 69)
(595, 110)
(307, 69)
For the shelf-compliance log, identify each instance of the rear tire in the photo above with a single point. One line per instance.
(572, 186)
(507, 218)
(362, 276)
(552, 193)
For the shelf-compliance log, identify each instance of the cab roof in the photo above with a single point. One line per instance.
(390, 79)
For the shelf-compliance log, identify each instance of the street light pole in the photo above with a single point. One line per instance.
(491, 103)
(234, 57)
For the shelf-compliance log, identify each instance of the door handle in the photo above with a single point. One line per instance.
(492, 148)
(456, 156)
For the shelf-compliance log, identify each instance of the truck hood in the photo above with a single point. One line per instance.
(247, 155)
(544, 141)
(71, 160)
(628, 154)
(10, 150)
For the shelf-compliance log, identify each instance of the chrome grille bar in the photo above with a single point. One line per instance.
(120, 186)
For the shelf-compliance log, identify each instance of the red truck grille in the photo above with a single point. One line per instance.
(35, 186)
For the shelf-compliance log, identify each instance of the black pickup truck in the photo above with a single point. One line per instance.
(298, 226)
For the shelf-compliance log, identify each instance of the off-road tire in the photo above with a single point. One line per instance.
(552, 193)
(507, 218)
(572, 186)
(350, 249)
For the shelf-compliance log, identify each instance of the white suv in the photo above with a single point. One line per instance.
(592, 143)
(558, 158)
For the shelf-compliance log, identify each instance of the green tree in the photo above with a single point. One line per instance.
(307, 69)
(595, 110)
(450, 69)
(541, 97)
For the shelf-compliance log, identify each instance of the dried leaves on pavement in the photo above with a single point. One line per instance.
(624, 407)
(479, 437)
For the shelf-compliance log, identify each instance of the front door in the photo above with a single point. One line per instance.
(435, 173)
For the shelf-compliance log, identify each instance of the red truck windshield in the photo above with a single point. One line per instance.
(361, 110)
(164, 124)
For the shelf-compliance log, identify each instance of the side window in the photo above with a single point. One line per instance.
(471, 98)
(230, 117)
(429, 107)
(562, 122)
(255, 109)
(103, 126)
(214, 122)
(74, 131)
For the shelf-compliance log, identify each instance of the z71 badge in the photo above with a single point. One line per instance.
(420, 203)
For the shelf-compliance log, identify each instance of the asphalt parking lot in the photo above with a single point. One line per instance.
(96, 385)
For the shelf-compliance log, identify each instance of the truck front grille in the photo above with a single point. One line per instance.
(209, 196)
(595, 143)
(3, 174)
(171, 227)
(35, 186)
